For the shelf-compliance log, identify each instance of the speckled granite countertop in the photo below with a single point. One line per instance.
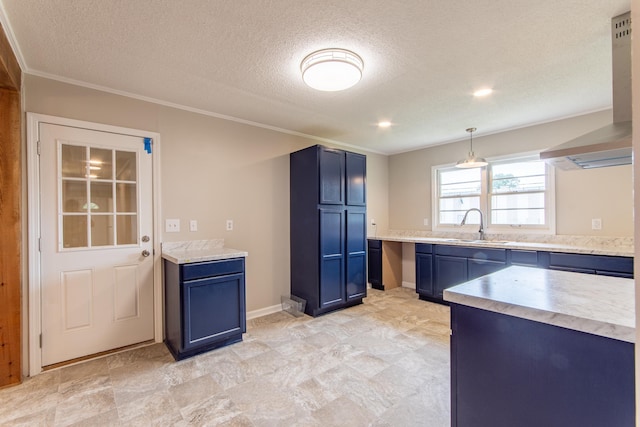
(598, 305)
(617, 246)
(198, 251)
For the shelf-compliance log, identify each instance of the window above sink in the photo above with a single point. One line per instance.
(516, 195)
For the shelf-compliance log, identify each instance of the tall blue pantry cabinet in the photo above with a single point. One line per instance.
(328, 228)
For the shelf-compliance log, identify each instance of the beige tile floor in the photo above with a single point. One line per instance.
(382, 363)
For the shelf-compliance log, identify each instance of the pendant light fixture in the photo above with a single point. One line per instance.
(331, 70)
(471, 161)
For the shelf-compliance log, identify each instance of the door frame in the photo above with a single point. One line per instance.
(34, 328)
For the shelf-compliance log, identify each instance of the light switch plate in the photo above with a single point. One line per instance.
(596, 224)
(193, 225)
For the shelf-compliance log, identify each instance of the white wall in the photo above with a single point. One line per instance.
(214, 170)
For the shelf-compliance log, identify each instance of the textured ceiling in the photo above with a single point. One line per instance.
(545, 59)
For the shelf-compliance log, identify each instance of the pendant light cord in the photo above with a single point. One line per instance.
(471, 130)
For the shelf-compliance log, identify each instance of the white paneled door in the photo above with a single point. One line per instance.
(96, 222)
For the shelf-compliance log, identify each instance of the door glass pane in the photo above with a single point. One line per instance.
(101, 230)
(110, 176)
(127, 226)
(101, 197)
(75, 231)
(126, 197)
(74, 161)
(100, 164)
(125, 166)
(74, 196)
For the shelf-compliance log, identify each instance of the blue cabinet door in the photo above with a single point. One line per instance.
(214, 309)
(424, 274)
(509, 371)
(332, 176)
(478, 268)
(374, 258)
(356, 254)
(450, 271)
(332, 260)
(356, 172)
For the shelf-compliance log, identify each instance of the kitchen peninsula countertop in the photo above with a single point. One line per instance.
(613, 246)
(598, 305)
(199, 251)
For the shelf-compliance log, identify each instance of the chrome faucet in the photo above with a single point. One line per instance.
(481, 230)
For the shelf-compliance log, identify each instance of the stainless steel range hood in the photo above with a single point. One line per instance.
(609, 145)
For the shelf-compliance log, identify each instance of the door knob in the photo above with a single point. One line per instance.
(145, 238)
(146, 253)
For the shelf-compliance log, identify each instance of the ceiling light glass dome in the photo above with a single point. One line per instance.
(331, 69)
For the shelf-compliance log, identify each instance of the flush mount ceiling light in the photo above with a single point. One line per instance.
(331, 69)
(471, 161)
(384, 124)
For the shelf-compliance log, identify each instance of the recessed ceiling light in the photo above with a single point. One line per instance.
(384, 124)
(331, 69)
(482, 92)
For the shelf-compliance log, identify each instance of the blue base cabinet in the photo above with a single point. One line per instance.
(507, 371)
(374, 258)
(424, 271)
(439, 267)
(204, 305)
(328, 228)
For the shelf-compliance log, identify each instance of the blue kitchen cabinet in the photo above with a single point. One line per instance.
(332, 177)
(374, 257)
(356, 172)
(439, 267)
(356, 253)
(453, 265)
(332, 257)
(204, 305)
(479, 267)
(508, 371)
(449, 271)
(605, 265)
(522, 257)
(327, 228)
(424, 271)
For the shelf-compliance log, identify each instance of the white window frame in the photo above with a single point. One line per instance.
(550, 198)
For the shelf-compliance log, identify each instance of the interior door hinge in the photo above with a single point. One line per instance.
(40, 340)
(38, 148)
(39, 244)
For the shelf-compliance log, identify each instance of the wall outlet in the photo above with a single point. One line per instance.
(172, 225)
(373, 222)
(425, 221)
(596, 224)
(229, 225)
(193, 225)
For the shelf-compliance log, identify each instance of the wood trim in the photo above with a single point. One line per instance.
(10, 72)
(10, 238)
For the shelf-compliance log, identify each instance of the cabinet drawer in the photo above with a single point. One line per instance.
(520, 257)
(579, 262)
(424, 248)
(212, 268)
(487, 254)
(375, 244)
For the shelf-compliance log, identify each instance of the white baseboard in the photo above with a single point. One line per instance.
(409, 285)
(264, 311)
